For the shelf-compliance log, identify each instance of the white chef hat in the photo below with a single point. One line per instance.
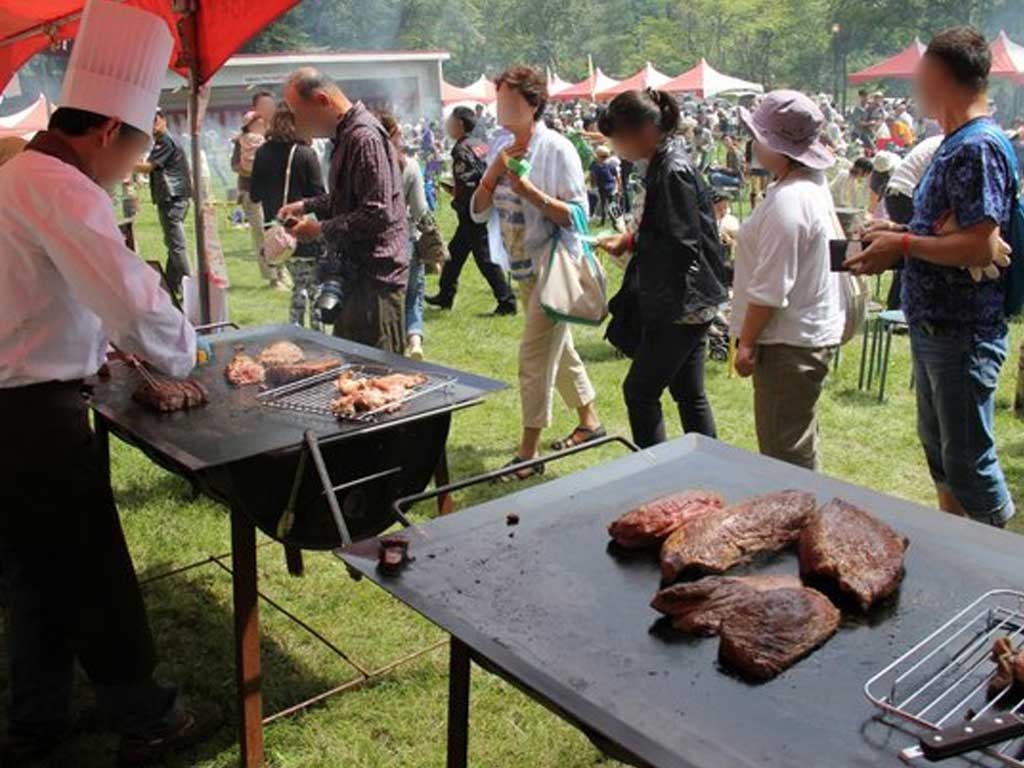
(118, 63)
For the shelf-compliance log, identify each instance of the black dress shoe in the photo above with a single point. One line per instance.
(438, 301)
(199, 721)
(505, 308)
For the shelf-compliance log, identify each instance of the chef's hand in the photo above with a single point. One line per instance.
(307, 230)
(884, 251)
(291, 211)
(204, 350)
(746, 358)
(615, 245)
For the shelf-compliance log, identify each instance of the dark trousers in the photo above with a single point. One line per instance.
(668, 356)
(901, 211)
(70, 591)
(472, 237)
(604, 201)
(373, 315)
(172, 220)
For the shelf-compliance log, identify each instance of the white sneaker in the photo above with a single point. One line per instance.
(414, 347)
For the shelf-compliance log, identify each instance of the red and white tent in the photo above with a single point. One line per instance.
(585, 89)
(1007, 58)
(557, 85)
(452, 94)
(648, 77)
(706, 81)
(26, 122)
(899, 67)
(482, 90)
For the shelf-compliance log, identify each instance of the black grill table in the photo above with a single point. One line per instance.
(307, 479)
(545, 604)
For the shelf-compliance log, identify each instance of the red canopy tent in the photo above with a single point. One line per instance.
(585, 89)
(452, 94)
(706, 81)
(901, 66)
(204, 39)
(1007, 58)
(648, 77)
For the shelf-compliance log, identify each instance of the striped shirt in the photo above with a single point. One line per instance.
(363, 216)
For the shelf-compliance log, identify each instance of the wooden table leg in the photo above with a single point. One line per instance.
(247, 640)
(445, 505)
(458, 704)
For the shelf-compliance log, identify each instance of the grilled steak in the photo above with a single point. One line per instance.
(278, 375)
(651, 523)
(243, 370)
(722, 538)
(774, 630)
(846, 547)
(167, 395)
(281, 353)
(700, 607)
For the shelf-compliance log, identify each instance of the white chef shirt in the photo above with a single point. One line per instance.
(68, 283)
(782, 261)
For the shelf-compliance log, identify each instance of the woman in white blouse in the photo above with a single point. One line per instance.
(787, 315)
(525, 214)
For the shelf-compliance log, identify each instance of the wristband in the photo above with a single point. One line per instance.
(905, 244)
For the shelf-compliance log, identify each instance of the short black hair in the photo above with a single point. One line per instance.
(631, 110)
(965, 54)
(259, 95)
(863, 165)
(466, 116)
(79, 122)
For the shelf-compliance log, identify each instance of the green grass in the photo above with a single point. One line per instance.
(400, 721)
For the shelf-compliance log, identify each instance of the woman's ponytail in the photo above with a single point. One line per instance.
(668, 110)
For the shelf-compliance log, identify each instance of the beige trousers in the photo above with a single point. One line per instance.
(787, 384)
(547, 360)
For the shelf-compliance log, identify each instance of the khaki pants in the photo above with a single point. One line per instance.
(547, 360)
(374, 316)
(254, 213)
(787, 384)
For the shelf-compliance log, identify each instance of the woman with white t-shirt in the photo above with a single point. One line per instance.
(786, 308)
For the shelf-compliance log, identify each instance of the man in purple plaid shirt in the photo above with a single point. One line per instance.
(363, 216)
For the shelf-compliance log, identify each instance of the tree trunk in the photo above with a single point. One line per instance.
(1018, 401)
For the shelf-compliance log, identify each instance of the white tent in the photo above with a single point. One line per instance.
(556, 85)
(706, 81)
(28, 121)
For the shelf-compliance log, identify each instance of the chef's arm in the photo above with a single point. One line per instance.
(124, 292)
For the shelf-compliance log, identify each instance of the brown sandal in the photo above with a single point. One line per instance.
(579, 436)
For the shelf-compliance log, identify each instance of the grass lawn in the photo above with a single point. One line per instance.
(401, 720)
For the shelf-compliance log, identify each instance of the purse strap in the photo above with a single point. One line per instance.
(288, 173)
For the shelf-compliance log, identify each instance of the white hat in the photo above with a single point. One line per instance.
(885, 162)
(118, 63)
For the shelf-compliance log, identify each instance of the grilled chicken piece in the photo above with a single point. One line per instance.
(847, 547)
(716, 541)
(651, 523)
(281, 353)
(1009, 667)
(243, 370)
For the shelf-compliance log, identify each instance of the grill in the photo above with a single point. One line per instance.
(943, 680)
(545, 604)
(314, 395)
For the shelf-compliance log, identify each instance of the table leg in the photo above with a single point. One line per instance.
(293, 560)
(445, 505)
(459, 670)
(247, 640)
(864, 352)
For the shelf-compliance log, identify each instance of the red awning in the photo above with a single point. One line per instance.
(585, 89)
(1007, 58)
(648, 77)
(705, 81)
(30, 26)
(452, 94)
(901, 66)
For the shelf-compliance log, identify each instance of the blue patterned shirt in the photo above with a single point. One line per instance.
(966, 185)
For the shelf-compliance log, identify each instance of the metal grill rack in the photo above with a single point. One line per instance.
(944, 679)
(315, 393)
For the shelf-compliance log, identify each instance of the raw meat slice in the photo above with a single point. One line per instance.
(775, 629)
(722, 538)
(279, 375)
(851, 549)
(281, 353)
(651, 523)
(243, 370)
(700, 607)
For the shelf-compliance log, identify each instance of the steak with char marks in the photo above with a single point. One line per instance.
(650, 524)
(700, 607)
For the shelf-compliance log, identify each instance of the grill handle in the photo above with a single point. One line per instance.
(400, 506)
(976, 734)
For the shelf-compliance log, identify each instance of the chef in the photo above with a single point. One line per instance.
(68, 287)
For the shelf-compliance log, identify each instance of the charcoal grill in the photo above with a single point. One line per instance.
(281, 462)
(547, 606)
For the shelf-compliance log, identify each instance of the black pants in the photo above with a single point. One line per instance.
(604, 201)
(470, 236)
(172, 220)
(70, 590)
(668, 356)
(901, 211)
